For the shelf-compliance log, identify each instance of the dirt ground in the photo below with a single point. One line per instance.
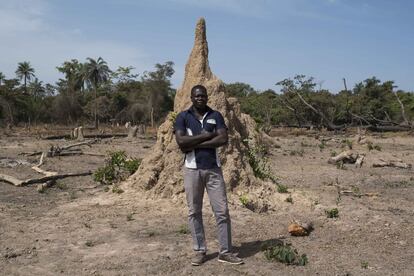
(77, 227)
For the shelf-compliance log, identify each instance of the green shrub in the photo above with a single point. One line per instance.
(117, 167)
(283, 189)
(284, 253)
(258, 161)
(132, 165)
(332, 213)
(244, 200)
(105, 175)
(183, 229)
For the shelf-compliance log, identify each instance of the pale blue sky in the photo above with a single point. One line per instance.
(259, 42)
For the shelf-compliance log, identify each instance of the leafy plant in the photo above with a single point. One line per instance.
(117, 167)
(284, 253)
(364, 264)
(283, 189)
(244, 200)
(332, 213)
(183, 229)
(258, 160)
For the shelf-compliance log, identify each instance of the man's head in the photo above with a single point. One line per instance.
(199, 96)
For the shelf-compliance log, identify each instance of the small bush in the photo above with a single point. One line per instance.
(116, 189)
(364, 264)
(244, 200)
(183, 229)
(105, 175)
(283, 189)
(117, 167)
(132, 165)
(284, 253)
(321, 146)
(289, 199)
(332, 213)
(129, 217)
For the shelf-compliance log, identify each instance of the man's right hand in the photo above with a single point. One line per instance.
(208, 135)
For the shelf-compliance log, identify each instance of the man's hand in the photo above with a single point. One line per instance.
(188, 143)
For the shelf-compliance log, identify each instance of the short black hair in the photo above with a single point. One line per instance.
(198, 87)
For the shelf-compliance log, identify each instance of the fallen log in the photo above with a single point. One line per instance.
(18, 182)
(392, 163)
(346, 157)
(359, 161)
(39, 170)
(98, 135)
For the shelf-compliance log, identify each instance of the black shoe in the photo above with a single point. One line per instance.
(230, 259)
(198, 259)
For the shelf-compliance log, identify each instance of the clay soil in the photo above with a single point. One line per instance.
(78, 227)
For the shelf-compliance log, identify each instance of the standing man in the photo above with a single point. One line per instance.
(199, 131)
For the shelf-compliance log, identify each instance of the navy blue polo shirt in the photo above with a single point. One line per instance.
(205, 158)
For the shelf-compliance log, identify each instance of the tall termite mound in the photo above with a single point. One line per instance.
(160, 172)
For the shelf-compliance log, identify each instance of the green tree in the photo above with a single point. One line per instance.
(2, 78)
(25, 71)
(96, 73)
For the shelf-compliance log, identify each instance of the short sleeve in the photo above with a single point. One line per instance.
(220, 121)
(180, 122)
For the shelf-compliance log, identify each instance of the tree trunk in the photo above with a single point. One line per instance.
(96, 108)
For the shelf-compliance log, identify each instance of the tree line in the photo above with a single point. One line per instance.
(91, 92)
(371, 103)
(87, 92)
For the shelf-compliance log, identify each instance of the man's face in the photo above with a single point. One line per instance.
(199, 98)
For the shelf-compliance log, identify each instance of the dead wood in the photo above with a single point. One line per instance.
(39, 170)
(97, 135)
(328, 123)
(42, 187)
(392, 163)
(132, 132)
(345, 157)
(18, 182)
(359, 161)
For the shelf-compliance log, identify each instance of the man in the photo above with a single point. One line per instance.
(199, 131)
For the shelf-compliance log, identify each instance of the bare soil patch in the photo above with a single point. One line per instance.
(78, 228)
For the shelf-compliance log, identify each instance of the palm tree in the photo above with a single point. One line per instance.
(2, 77)
(37, 89)
(26, 72)
(96, 73)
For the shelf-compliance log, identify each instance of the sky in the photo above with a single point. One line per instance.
(259, 42)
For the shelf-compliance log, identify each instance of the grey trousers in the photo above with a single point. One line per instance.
(195, 181)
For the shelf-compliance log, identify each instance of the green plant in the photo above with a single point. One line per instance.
(244, 200)
(117, 167)
(284, 253)
(289, 199)
(258, 160)
(89, 243)
(377, 147)
(132, 165)
(183, 229)
(172, 116)
(282, 189)
(333, 153)
(105, 175)
(322, 145)
(364, 264)
(116, 189)
(332, 213)
(129, 217)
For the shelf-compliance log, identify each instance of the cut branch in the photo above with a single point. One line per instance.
(18, 182)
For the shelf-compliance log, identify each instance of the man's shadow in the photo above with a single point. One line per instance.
(248, 249)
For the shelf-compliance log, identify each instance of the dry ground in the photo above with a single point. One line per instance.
(77, 228)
